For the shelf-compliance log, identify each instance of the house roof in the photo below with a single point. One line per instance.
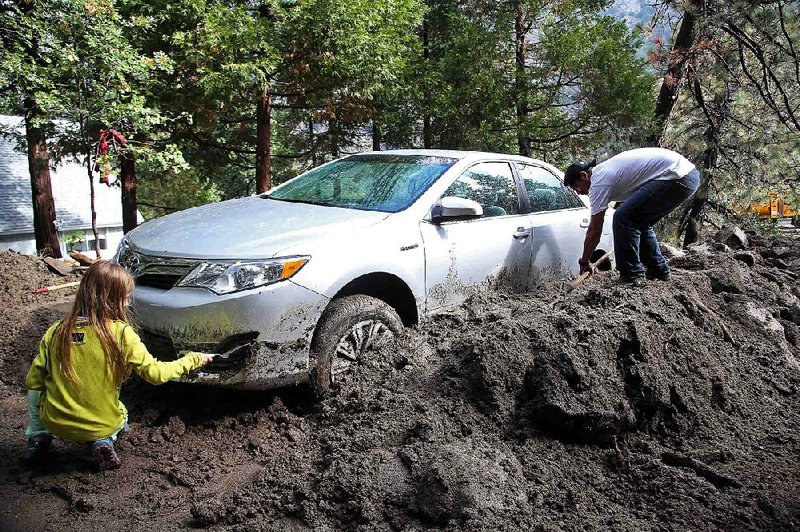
(69, 182)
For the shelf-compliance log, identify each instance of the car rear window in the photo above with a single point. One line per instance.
(373, 182)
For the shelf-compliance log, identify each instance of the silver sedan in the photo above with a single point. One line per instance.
(297, 284)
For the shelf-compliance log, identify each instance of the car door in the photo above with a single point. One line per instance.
(462, 254)
(559, 219)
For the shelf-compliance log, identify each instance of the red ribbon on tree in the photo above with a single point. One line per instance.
(110, 140)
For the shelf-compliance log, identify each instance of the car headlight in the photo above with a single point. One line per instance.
(227, 277)
(124, 252)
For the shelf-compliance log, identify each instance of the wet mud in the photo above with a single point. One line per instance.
(674, 406)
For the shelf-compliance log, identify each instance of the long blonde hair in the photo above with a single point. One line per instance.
(102, 298)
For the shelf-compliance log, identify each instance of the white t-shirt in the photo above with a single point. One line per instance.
(617, 178)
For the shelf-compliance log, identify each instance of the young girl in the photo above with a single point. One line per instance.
(73, 384)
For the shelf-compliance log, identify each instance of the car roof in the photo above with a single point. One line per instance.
(463, 155)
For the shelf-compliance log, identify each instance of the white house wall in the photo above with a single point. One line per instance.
(71, 194)
(26, 242)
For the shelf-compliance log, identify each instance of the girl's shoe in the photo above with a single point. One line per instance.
(104, 456)
(36, 448)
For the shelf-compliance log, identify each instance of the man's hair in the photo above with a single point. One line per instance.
(573, 171)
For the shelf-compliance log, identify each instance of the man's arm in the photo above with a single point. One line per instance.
(593, 234)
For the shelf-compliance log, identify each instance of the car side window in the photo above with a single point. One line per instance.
(491, 185)
(545, 192)
(573, 201)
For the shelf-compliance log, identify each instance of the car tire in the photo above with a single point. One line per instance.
(349, 327)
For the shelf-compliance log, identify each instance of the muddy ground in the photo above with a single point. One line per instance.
(675, 406)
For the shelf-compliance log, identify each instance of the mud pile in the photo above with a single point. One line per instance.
(675, 405)
(24, 315)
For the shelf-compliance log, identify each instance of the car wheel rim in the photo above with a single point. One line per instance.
(361, 337)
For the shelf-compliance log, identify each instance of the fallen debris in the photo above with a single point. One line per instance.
(82, 259)
(716, 478)
(58, 266)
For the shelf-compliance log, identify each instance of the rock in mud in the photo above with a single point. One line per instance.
(732, 236)
(746, 257)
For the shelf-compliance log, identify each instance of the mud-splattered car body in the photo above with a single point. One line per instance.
(528, 223)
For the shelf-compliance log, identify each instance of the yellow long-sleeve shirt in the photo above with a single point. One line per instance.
(90, 409)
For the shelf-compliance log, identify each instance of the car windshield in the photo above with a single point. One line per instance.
(373, 182)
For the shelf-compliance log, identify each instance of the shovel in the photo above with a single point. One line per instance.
(54, 287)
(582, 277)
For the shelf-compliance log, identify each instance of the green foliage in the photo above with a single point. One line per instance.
(73, 239)
(169, 184)
(72, 59)
(557, 74)
(181, 78)
(735, 117)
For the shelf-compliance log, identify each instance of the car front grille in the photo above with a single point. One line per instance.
(156, 272)
(162, 278)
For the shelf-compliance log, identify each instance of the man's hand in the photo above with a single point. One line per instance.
(593, 233)
(585, 266)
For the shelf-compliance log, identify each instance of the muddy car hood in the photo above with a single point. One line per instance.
(250, 227)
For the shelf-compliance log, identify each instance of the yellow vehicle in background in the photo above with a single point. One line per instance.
(776, 208)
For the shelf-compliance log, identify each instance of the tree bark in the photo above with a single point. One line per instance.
(427, 137)
(694, 211)
(264, 141)
(44, 209)
(521, 89)
(128, 179)
(333, 135)
(376, 136)
(92, 203)
(670, 84)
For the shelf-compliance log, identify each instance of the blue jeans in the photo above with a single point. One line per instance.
(635, 243)
(37, 428)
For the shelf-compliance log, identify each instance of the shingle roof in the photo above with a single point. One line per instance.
(70, 185)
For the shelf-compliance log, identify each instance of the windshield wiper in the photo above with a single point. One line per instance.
(307, 202)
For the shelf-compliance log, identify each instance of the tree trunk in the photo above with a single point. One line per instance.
(521, 88)
(264, 141)
(333, 135)
(376, 136)
(92, 203)
(670, 84)
(694, 211)
(312, 141)
(427, 137)
(44, 209)
(128, 177)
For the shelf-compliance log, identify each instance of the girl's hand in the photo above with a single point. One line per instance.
(206, 358)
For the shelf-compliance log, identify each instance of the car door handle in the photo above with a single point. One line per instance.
(585, 223)
(521, 233)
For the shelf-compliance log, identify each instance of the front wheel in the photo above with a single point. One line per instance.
(348, 329)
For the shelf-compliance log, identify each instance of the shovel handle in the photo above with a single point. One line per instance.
(55, 287)
(582, 277)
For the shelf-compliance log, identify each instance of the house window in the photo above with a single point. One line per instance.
(88, 245)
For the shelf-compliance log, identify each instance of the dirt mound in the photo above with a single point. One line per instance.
(610, 408)
(25, 315)
(21, 274)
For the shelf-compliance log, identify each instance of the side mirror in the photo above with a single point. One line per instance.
(452, 208)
